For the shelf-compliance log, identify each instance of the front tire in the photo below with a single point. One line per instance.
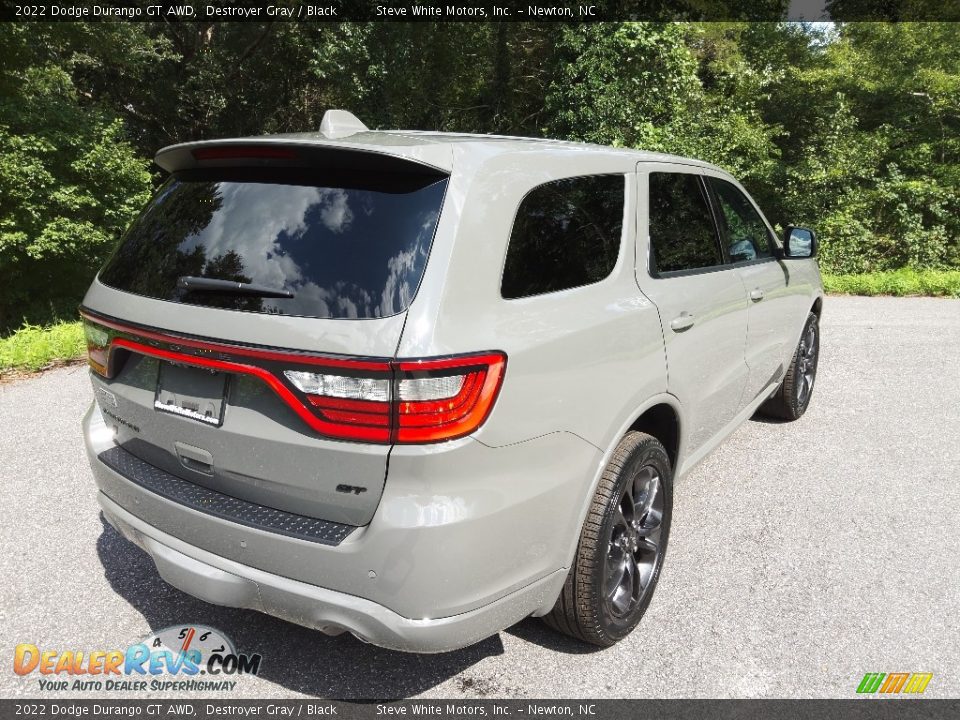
(622, 546)
(793, 396)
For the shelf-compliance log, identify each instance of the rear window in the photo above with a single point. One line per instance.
(566, 234)
(343, 246)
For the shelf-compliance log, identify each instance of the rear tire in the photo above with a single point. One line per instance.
(793, 396)
(622, 546)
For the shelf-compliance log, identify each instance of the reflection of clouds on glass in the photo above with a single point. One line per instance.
(344, 300)
(309, 299)
(254, 233)
(397, 290)
(343, 252)
(336, 213)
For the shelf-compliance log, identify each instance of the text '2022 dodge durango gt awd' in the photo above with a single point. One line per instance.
(419, 386)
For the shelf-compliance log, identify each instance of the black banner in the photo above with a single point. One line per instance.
(854, 709)
(479, 11)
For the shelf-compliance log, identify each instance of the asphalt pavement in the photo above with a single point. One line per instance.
(802, 555)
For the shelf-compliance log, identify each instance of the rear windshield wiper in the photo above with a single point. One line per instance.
(229, 287)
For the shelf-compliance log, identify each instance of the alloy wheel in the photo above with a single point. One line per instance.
(807, 364)
(634, 546)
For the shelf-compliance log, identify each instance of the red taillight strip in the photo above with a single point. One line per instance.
(273, 355)
(315, 422)
(399, 421)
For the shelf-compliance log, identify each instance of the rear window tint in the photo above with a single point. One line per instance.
(566, 234)
(344, 246)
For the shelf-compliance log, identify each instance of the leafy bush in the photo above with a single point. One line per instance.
(69, 184)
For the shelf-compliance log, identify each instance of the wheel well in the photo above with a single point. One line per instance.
(817, 307)
(662, 422)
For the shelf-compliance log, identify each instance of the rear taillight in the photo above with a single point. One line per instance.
(360, 399)
(442, 399)
(420, 401)
(356, 408)
(98, 347)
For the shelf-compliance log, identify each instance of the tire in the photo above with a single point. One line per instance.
(600, 602)
(793, 396)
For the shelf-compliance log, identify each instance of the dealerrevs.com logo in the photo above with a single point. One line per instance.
(894, 683)
(179, 658)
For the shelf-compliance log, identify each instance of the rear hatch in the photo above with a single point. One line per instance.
(242, 331)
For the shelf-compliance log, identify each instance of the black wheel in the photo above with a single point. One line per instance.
(792, 398)
(622, 545)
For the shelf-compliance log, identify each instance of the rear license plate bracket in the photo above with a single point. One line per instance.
(191, 392)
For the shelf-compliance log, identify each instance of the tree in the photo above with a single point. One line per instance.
(69, 180)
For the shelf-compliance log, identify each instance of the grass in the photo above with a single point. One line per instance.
(943, 283)
(33, 348)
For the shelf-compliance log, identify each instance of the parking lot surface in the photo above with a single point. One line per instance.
(801, 556)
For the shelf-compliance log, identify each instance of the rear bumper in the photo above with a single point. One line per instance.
(225, 582)
(466, 540)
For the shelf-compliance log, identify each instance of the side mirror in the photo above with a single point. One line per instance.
(799, 242)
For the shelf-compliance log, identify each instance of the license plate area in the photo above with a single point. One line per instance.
(191, 392)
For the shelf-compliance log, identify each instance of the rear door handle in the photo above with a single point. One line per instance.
(756, 294)
(682, 322)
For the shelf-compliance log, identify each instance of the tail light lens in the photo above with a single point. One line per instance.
(357, 408)
(359, 399)
(98, 347)
(442, 399)
(423, 401)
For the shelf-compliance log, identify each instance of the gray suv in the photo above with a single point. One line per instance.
(419, 386)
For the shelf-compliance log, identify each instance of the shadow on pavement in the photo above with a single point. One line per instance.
(532, 630)
(294, 657)
(765, 420)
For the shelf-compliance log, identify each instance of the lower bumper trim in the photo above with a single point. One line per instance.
(226, 582)
(223, 506)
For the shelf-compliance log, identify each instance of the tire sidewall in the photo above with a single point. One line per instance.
(647, 452)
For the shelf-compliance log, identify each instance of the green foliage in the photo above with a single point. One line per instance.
(877, 168)
(69, 183)
(854, 131)
(33, 348)
(905, 281)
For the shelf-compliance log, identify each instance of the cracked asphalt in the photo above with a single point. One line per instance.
(801, 556)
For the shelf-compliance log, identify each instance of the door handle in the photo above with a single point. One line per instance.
(682, 322)
(756, 294)
(194, 458)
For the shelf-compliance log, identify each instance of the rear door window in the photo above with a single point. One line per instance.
(343, 246)
(566, 234)
(683, 235)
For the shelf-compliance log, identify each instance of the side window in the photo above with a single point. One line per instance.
(744, 231)
(566, 234)
(682, 232)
